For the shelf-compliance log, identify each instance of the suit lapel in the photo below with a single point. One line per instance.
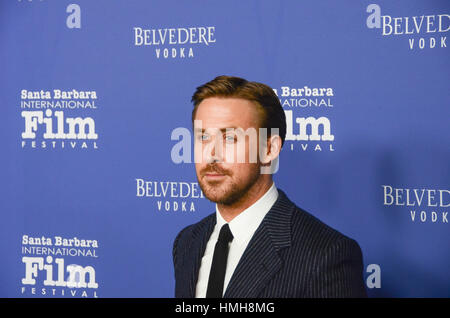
(256, 267)
(199, 240)
(261, 259)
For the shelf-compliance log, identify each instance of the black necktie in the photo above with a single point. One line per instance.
(219, 263)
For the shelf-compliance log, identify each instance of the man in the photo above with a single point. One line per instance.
(257, 243)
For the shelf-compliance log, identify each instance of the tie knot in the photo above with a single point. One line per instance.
(225, 234)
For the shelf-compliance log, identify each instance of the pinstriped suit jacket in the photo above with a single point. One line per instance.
(292, 254)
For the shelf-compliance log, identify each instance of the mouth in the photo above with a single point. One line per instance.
(213, 176)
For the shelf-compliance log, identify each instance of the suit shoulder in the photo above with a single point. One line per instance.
(187, 231)
(185, 237)
(307, 228)
(334, 261)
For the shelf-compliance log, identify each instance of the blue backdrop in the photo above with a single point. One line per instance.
(92, 189)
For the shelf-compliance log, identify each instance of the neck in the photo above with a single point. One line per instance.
(229, 212)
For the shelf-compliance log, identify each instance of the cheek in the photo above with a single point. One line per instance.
(243, 172)
(240, 152)
(198, 156)
(198, 167)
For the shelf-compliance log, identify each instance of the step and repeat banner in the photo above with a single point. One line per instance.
(97, 172)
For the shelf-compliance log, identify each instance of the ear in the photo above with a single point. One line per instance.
(272, 150)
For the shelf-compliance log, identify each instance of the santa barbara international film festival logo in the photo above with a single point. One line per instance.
(56, 266)
(423, 31)
(56, 119)
(174, 43)
(424, 205)
(306, 127)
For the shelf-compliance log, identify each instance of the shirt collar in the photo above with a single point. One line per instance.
(244, 225)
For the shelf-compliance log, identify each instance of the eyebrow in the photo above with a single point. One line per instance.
(197, 130)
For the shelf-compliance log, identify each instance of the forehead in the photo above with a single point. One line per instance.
(216, 112)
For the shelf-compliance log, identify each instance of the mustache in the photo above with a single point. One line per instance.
(214, 168)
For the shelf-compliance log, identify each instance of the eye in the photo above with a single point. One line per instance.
(230, 138)
(202, 137)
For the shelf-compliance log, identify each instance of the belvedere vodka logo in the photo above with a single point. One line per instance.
(307, 129)
(170, 196)
(424, 205)
(56, 119)
(423, 31)
(174, 43)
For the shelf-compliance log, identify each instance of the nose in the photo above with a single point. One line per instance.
(213, 150)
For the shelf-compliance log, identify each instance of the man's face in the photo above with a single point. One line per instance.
(226, 163)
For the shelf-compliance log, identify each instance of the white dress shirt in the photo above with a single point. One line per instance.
(243, 226)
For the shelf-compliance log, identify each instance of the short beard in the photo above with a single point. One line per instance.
(231, 194)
